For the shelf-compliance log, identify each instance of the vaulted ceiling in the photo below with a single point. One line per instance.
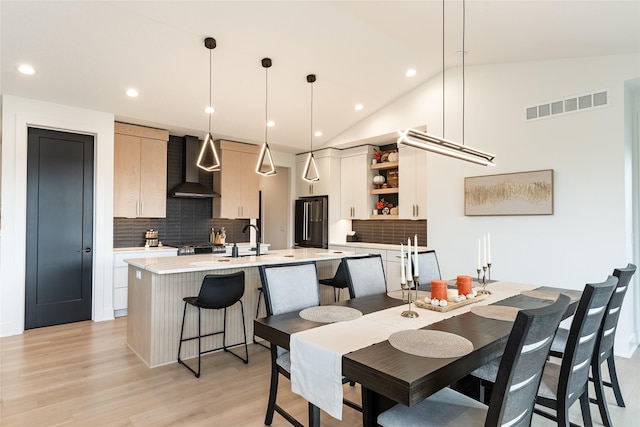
(88, 53)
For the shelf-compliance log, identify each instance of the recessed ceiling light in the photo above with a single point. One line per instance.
(358, 107)
(271, 123)
(209, 110)
(26, 69)
(410, 72)
(318, 133)
(132, 93)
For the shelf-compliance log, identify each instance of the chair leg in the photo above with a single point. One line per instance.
(314, 415)
(596, 370)
(586, 411)
(180, 361)
(224, 336)
(199, 343)
(260, 295)
(273, 388)
(611, 363)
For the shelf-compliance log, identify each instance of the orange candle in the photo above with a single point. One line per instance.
(439, 289)
(464, 285)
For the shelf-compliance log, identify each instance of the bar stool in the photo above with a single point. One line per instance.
(338, 281)
(216, 292)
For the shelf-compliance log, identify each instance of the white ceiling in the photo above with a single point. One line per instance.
(87, 53)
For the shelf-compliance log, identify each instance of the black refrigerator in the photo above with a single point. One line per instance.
(312, 225)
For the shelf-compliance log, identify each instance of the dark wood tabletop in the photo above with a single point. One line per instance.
(388, 375)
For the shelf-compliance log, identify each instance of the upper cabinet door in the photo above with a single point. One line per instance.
(140, 172)
(355, 199)
(237, 181)
(413, 189)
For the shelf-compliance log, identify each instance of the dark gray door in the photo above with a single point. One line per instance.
(59, 258)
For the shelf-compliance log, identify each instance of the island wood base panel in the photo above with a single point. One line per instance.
(155, 308)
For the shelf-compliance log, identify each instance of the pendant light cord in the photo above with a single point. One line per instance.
(464, 53)
(311, 121)
(443, 122)
(266, 104)
(210, 106)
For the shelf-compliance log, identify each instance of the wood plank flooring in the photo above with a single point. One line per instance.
(83, 374)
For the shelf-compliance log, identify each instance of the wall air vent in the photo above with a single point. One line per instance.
(568, 105)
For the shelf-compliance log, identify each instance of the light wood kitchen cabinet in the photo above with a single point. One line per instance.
(237, 181)
(413, 189)
(355, 180)
(140, 172)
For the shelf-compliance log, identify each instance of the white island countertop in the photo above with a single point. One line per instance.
(204, 262)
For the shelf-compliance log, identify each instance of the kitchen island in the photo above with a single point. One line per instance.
(158, 285)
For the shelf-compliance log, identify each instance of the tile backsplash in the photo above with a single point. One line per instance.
(188, 220)
(391, 231)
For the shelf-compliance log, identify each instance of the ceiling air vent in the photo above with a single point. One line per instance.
(568, 105)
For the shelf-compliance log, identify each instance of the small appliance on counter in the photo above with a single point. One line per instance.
(151, 238)
(199, 248)
(351, 236)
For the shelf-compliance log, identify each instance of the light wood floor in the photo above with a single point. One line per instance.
(84, 374)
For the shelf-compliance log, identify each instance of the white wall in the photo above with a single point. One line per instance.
(17, 115)
(587, 235)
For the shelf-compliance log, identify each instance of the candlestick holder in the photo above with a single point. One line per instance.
(416, 283)
(405, 291)
(484, 282)
(489, 270)
(410, 313)
(479, 270)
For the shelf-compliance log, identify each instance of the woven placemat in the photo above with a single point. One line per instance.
(427, 343)
(497, 312)
(549, 295)
(330, 314)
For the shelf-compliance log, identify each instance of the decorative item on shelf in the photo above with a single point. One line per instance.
(394, 211)
(392, 178)
(378, 180)
(380, 205)
(393, 156)
(377, 155)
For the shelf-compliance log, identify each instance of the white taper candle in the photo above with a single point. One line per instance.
(403, 278)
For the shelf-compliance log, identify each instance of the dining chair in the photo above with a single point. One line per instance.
(604, 345)
(338, 281)
(287, 288)
(217, 292)
(429, 269)
(365, 275)
(519, 374)
(565, 383)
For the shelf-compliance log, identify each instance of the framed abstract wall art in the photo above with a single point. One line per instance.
(520, 193)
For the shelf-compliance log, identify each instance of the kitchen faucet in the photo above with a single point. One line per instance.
(244, 230)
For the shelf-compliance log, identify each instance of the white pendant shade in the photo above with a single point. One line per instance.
(208, 146)
(310, 173)
(265, 166)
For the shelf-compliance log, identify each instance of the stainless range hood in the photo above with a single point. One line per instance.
(190, 188)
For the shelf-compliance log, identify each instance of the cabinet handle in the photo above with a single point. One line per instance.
(310, 188)
(141, 208)
(417, 210)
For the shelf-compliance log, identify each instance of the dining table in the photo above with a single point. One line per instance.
(389, 375)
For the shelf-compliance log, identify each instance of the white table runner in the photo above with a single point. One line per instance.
(316, 354)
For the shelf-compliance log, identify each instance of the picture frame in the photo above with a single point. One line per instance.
(519, 193)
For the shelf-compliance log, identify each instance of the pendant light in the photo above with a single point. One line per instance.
(265, 166)
(209, 43)
(310, 173)
(424, 141)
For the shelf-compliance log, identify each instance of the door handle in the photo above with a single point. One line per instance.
(85, 250)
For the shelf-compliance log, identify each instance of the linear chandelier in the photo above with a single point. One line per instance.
(209, 43)
(424, 141)
(265, 166)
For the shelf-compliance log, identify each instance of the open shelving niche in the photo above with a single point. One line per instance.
(389, 194)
